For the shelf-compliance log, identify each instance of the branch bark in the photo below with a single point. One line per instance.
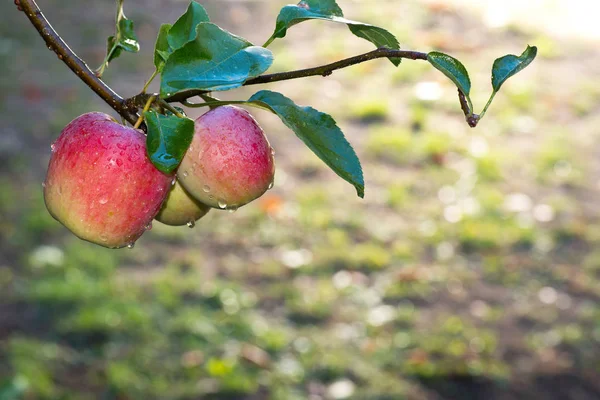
(80, 68)
(324, 70)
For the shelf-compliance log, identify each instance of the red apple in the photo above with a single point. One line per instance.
(230, 162)
(100, 183)
(181, 209)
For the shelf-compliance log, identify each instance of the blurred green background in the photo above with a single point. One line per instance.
(470, 271)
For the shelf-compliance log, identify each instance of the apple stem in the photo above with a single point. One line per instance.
(146, 108)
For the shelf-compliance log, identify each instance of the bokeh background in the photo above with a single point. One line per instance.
(471, 270)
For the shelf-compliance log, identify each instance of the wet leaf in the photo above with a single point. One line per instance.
(168, 139)
(328, 10)
(319, 132)
(214, 60)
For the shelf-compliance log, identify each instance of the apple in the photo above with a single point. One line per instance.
(229, 162)
(181, 209)
(101, 184)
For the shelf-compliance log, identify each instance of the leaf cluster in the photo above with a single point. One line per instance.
(194, 55)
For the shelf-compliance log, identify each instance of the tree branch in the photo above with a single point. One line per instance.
(324, 70)
(56, 44)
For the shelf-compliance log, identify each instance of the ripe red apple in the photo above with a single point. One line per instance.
(100, 183)
(230, 162)
(180, 208)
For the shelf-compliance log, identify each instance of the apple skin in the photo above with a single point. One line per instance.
(180, 208)
(229, 162)
(101, 184)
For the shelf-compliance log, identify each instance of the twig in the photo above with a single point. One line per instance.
(56, 44)
(324, 70)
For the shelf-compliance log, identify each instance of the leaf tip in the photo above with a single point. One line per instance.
(360, 191)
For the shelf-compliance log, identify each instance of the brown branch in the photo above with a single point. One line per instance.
(324, 70)
(127, 108)
(56, 44)
(472, 119)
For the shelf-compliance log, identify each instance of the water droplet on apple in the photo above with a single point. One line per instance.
(103, 200)
(173, 181)
(194, 165)
(211, 197)
(206, 189)
(149, 226)
(103, 238)
(271, 185)
(185, 174)
(53, 147)
(191, 224)
(232, 209)
(222, 204)
(43, 184)
(131, 245)
(272, 152)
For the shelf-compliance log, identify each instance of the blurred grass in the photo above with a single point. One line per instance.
(469, 271)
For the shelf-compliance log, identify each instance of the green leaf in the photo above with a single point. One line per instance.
(172, 37)
(319, 132)
(214, 60)
(184, 30)
(168, 139)
(453, 69)
(507, 66)
(162, 50)
(328, 10)
(124, 38)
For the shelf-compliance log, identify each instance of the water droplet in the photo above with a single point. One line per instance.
(103, 200)
(232, 209)
(271, 185)
(131, 245)
(273, 152)
(185, 174)
(49, 47)
(53, 147)
(149, 226)
(211, 197)
(103, 238)
(194, 165)
(43, 184)
(173, 181)
(191, 224)
(206, 189)
(222, 204)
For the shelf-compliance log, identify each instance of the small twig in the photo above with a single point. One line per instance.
(171, 108)
(472, 119)
(150, 80)
(324, 70)
(464, 104)
(56, 44)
